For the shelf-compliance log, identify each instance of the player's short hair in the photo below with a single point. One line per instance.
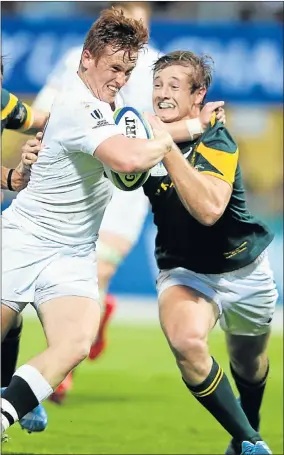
(202, 67)
(128, 6)
(113, 28)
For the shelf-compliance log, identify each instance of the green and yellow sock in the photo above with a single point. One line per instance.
(216, 395)
(251, 395)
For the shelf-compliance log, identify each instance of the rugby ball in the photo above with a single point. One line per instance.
(133, 125)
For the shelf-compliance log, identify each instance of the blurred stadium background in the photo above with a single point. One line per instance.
(245, 40)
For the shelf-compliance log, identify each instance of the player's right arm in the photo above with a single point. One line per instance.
(127, 155)
(91, 129)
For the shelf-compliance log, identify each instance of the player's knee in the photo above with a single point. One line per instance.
(189, 347)
(81, 349)
(76, 350)
(248, 366)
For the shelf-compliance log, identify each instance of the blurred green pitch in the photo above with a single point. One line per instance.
(132, 401)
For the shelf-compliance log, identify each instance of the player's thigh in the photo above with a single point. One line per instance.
(66, 297)
(185, 311)
(70, 319)
(249, 299)
(24, 256)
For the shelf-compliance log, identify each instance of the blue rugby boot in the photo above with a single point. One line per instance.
(235, 447)
(260, 448)
(35, 420)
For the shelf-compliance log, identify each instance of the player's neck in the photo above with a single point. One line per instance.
(82, 75)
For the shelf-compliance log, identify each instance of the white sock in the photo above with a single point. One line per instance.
(39, 385)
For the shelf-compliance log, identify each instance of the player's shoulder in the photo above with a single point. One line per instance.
(217, 136)
(72, 57)
(66, 66)
(81, 111)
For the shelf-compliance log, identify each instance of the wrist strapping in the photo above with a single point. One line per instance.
(194, 127)
(9, 180)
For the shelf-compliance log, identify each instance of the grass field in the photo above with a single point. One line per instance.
(132, 401)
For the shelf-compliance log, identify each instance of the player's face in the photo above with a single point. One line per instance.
(172, 97)
(109, 73)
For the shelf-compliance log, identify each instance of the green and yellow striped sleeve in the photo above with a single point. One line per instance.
(217, 153)
(15, 114)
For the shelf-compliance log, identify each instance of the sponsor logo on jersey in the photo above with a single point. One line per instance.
(100, 121)
(159, 170)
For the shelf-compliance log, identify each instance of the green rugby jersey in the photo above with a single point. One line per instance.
(234, 241)
(14, 114)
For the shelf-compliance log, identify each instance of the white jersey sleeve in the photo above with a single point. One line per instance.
(89, 124)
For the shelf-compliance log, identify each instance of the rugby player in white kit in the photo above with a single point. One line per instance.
(120, 226)
(50, 229)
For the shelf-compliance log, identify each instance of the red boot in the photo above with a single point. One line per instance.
(99, 345)
(59, 395)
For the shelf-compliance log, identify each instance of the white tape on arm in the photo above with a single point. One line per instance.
(194, 127)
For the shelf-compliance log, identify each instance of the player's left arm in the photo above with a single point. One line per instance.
(186, 130)
(205, 186)
(20, 116)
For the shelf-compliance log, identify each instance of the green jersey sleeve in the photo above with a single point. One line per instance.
(14, 113)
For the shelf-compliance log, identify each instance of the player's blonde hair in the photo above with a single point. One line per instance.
(113, 28)
(202, 67)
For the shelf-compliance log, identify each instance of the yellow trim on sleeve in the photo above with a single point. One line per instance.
(30, 117)
(218, 176)
(213, 119)
(224, 162)
(12, 103)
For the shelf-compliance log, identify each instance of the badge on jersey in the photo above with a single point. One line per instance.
(159, 170)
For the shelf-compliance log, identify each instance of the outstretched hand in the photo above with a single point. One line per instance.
(159, 130)
(209, 109)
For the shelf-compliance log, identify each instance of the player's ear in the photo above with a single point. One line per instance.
(87, 59)
(200, 95)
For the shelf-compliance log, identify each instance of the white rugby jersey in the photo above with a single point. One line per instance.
(136, 93)
(67, 194)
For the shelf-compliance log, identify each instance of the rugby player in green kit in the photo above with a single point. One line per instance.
(211, 253)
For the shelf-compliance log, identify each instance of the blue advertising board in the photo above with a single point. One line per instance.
(248, 57)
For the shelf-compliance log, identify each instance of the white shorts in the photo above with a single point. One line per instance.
(125, 214)
(36, 270)
(246, 297)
